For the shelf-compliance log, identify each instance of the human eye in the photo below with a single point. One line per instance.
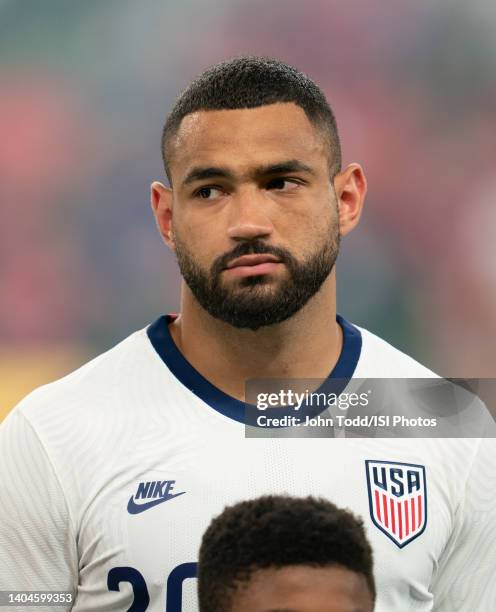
(283, 184)
(208, 193)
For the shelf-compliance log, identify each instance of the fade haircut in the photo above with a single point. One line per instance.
(275, 532)
(249, 82)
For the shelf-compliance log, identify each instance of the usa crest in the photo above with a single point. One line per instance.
(397, 499)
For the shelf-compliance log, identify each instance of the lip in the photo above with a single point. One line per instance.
(252, 260)
(267, 267)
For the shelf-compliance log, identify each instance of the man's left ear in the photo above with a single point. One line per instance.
(350, 186)
(161, 202)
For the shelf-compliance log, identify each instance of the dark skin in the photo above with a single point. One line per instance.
(259, 173)
(301, 588)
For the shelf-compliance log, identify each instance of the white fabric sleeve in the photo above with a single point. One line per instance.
(466, 577)
(37, 543)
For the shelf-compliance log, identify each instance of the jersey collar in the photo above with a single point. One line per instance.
(161, 339)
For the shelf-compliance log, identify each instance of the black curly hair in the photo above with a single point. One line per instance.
(248, 82)
(277, 531)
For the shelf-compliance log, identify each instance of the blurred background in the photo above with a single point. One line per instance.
(84, 91)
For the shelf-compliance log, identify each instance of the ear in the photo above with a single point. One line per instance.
(350, 186)
(161, 201)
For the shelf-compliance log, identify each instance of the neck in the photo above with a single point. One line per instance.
(305, 346)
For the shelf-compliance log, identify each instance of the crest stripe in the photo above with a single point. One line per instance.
(393, 522)
(378, 506)
(384, 505)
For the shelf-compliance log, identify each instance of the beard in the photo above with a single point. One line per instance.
(253, 303)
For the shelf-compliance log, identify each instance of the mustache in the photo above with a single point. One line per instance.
(251, 248)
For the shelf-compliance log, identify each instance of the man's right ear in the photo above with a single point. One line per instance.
(161, 201)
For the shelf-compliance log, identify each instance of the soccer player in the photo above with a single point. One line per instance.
(285, 553)
(110, 476)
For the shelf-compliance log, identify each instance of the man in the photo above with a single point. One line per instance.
(285, 553)
(110, 475)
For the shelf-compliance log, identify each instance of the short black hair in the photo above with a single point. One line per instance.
(248, 82)
(276, 531)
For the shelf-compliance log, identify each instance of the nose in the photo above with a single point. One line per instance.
(248, 218)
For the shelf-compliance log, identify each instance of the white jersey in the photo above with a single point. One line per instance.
(110, 476)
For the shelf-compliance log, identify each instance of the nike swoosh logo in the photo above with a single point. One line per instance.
(134, 508)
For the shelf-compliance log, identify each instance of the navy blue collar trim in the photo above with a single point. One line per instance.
(161, 339)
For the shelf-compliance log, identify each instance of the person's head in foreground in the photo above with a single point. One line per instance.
(258, 200)
(285, 554)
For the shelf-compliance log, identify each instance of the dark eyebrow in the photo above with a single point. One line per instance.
(285, 167)
(200, 173)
